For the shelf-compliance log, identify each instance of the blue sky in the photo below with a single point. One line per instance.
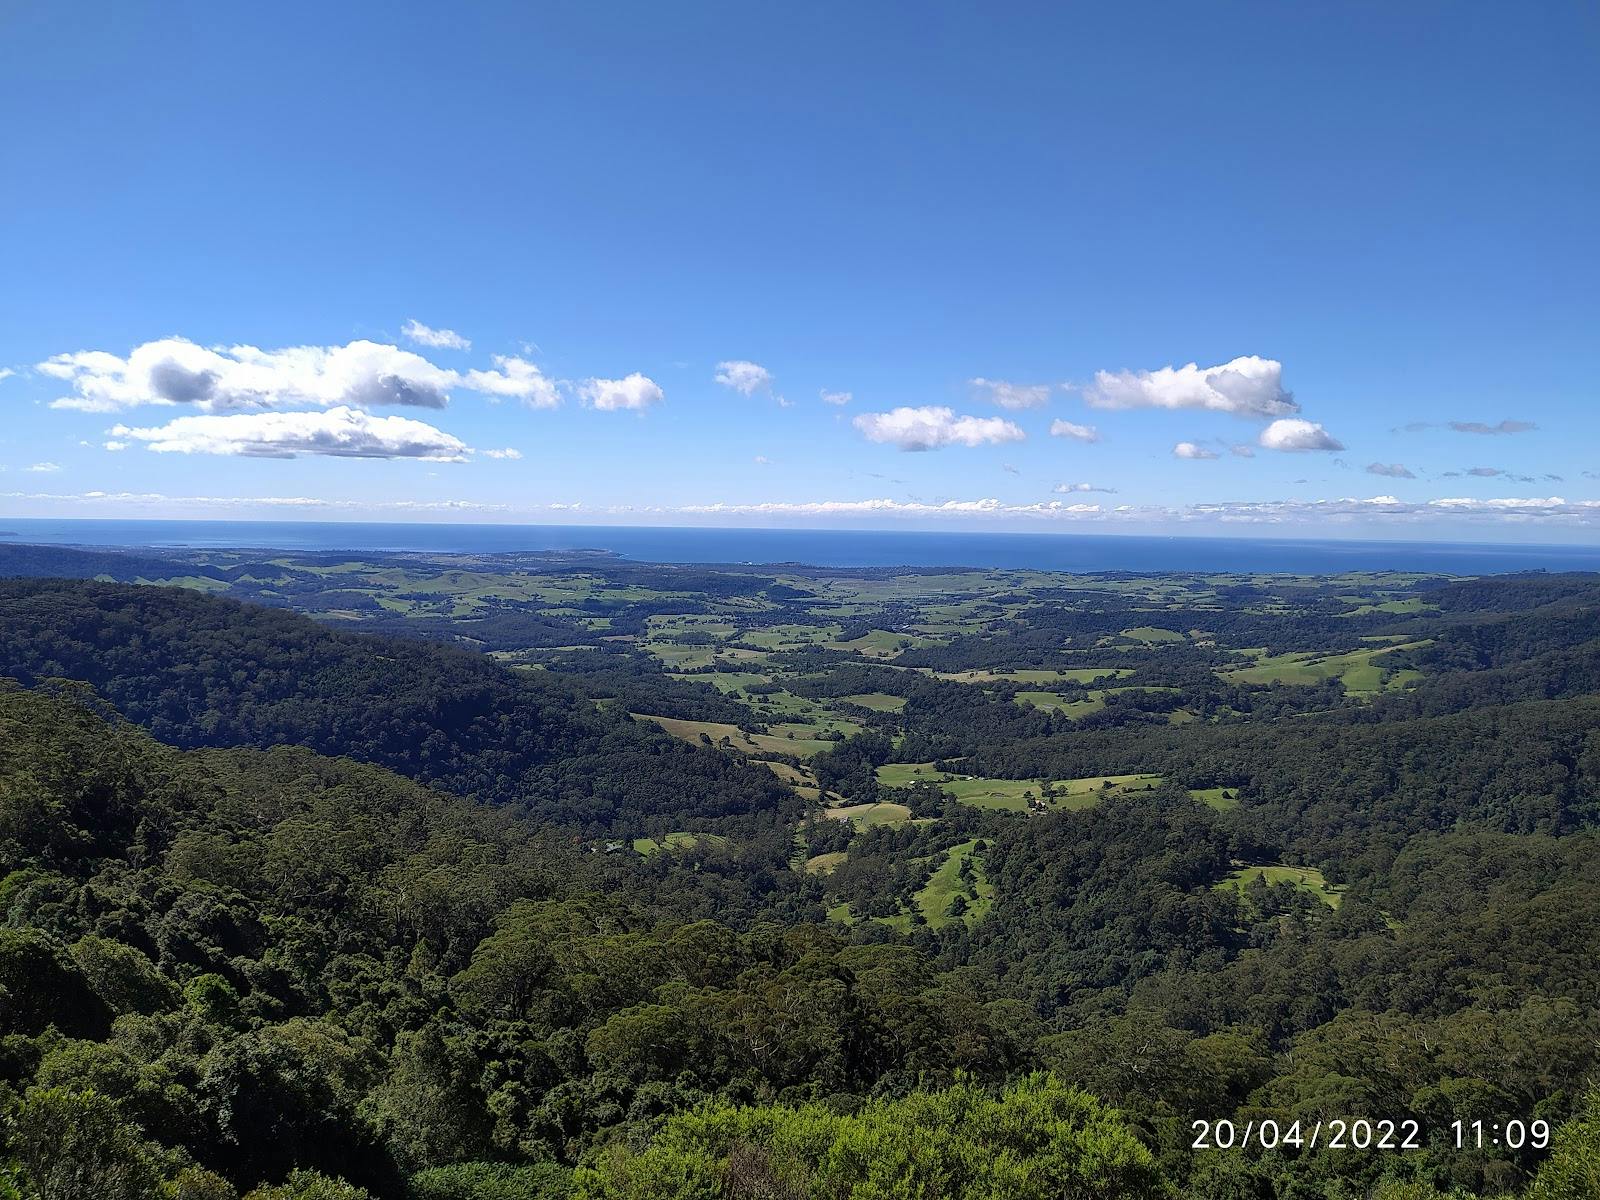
(1237, 255)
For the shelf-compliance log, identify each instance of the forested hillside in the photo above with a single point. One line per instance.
(197, 671)
(751, 893)
(222, 967)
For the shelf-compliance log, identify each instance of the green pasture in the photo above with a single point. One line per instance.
(1361, 671)
(865, 816)
(877, 701)
(945, 884)
(677, 841)
(1307, 879)
(1221, 799)
(1011, 795)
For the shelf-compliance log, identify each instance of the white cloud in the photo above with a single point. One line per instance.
(1293, 434)
(836, 398)
(1246, 387)
(1070, 429)
(175, 371)
(515, 377)
(338, 432)
(609, 395)
(1499, 512)
(114, 446)
(509, 452)
(1502, 510)
(761, 460)
(439, 339)
(120, 500)
(744, 377)
(887, 507)
(1013, 395)
(360, 374)
(43, 468)
(1242, 450)
(6, 372)
(932, 427)
(1392, 470)
(1082, 487)
(1190, 450)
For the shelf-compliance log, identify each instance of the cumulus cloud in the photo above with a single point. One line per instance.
(1070, 429)
(1393, 470)
(439, 339)
(361, 374)
(516, 378)
(509, 452)
(1069, 488)
(44, 468)
(1190, 450)
(1500, 428)
(746, 378)
(931, 427)
(1246, 387)
(1293, 434)
(6, 373)
(338, 432)
(1012, 396)
(836, 398)
(609, 395)
(174, 371)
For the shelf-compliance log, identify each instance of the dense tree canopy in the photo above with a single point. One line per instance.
(290, 911)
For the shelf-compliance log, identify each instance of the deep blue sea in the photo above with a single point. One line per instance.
(827, 547)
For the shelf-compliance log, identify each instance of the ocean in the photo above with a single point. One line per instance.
(826, 547)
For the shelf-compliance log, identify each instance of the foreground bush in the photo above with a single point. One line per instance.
(1039, 1140)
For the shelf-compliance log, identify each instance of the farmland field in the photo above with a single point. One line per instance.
(1305, 879)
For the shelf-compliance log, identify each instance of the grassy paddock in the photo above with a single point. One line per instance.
(1306, 879)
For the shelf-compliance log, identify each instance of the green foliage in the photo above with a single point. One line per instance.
(41, 986)
(1573, 1171)
(123, 977)
(197, 1183)
(492, 1181)
(369, 924)
(202, 671)
(310, 1185)
(71, 1145)
(1038, 1140)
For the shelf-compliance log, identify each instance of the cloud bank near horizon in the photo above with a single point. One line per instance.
(1379, 510)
